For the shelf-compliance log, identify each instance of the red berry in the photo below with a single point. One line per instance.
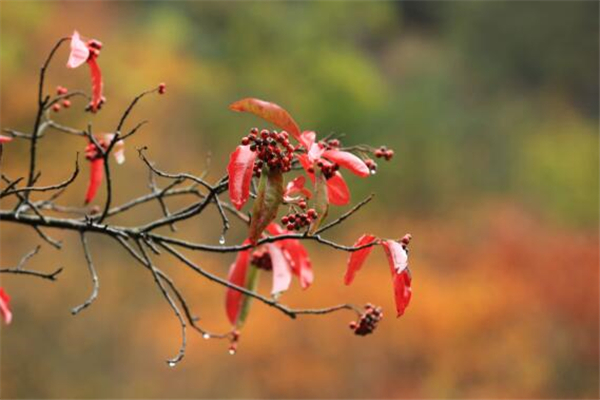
(60, 90)
(161, 88)
(56, 107)
(245, 141)
(66, 103)
(284, 220)
(290, 227)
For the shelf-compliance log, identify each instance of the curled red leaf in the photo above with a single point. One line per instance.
(337, 190)
(358, 257)
(401, 279)
(296, 186)
(79, 51)
(5, 307)
(96, 176)
(240, 169)
(237, 276)
(349, 161)
(270, 112)
(296, 255)
(282, 275)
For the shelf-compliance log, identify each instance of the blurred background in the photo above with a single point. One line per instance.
(492, 109)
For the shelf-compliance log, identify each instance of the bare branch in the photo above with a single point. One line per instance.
(93, 274)
(20, 270)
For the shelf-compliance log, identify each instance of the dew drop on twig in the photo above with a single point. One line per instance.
(171, 363)
(222, 240)
(206, 336)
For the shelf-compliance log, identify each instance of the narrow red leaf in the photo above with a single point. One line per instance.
(398, 260)
(97, 84)
(240, 169)
(307, 165)
(270, 112)
(5, 139)
(321, 201)
(282, 276)
(237, 276)
(337, 190)
(349, 161)
(5, 307)
(96, 176)
(358, 257)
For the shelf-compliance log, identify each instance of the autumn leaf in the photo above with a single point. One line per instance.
(240, 169)
(270, 112)
(358, 257)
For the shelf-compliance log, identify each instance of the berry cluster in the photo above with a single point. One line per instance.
(297, 221)
(273, 149)
(262, 259)
(385, 153)
(233, 342)
(368, 320)
(66, 103)
(330, 144)
(94, 47)
(92, 152)
(372, 165)
(327, 168)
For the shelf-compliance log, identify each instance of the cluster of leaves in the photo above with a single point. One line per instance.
(321, 161)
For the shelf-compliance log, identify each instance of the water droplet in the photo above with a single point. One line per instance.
(222, 240)
(171, 363)
(232, 351)
(373, 172)
(206, 336)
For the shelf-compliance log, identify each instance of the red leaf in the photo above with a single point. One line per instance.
(307, 164)
(337, 190)
(240, 169)
(270, 112)
(97, 84)
(348, 160)
(282, 276)
(398, 260)
(296, 255)
(308, 138)
(321, 201)
(5, 307)
(79, 51)
(296, 186)
(5, 139)
(358, 257)
(237, 276)
(96, 175)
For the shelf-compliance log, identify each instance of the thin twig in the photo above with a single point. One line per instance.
(93, 274)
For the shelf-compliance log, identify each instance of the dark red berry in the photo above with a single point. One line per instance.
(56, 107)
(245, 141)
(161, 88)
